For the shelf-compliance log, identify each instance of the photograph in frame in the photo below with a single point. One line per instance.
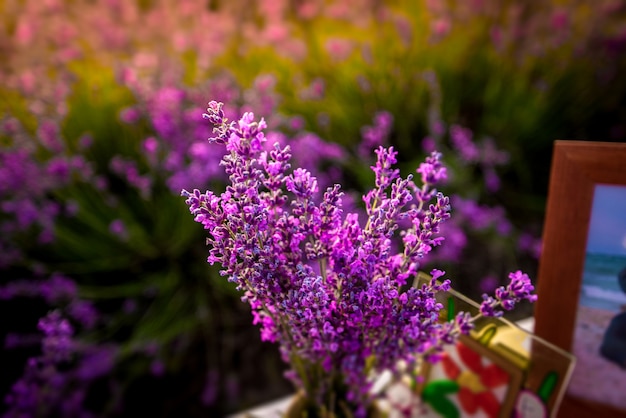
(578, 169)
(600, 328)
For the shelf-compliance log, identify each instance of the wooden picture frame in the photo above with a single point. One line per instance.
(577, 168)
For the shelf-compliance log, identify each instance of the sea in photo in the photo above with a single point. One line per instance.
(600, 286)
(595, 378)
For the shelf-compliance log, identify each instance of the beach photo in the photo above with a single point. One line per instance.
(600, 330)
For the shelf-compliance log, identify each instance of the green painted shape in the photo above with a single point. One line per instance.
(451, 308)
(435, 394)
(548, 386)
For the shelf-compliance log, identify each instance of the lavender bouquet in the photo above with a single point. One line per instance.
(332, 291)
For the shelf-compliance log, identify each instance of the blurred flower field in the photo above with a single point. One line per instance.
(109, 307)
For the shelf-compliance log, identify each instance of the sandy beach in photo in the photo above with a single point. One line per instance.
(595, 378)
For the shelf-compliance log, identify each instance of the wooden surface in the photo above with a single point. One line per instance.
(576, 168)
(274, 409)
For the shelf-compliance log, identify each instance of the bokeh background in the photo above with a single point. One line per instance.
(108, 306)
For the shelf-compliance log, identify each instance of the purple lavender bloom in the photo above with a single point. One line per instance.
(49, 136)
(209, 393)
(462, 139)
(97, 361)
(301, 146)
(530, 244)
(57, 343)
(13, 341)
(85, 142)
(59, 168)
(217, 118)
(488, 284)
(375, 135)
(130, 115)
(58, 288)
(83, 312)
(157, 368)
(150, 145)
(45, 389)
(481, 217)
(325, 286)
(488, 307)
(118, 228)
(166, 102)
(23, 399)
(519, 288)
(432, 170)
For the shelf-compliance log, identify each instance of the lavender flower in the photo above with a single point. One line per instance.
(375, 135)
(41, 383)
(323, 285)
(519, 288)
(57, 344)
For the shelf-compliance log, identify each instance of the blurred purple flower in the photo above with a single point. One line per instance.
(462, 140)
(375, 135)
(84, 312)
(49, 136)
(488, 284)
(57, 343)
(58, 288)
(209, 393)
(118, 228)
(157, 368)
(130, 115)
(97, 361)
